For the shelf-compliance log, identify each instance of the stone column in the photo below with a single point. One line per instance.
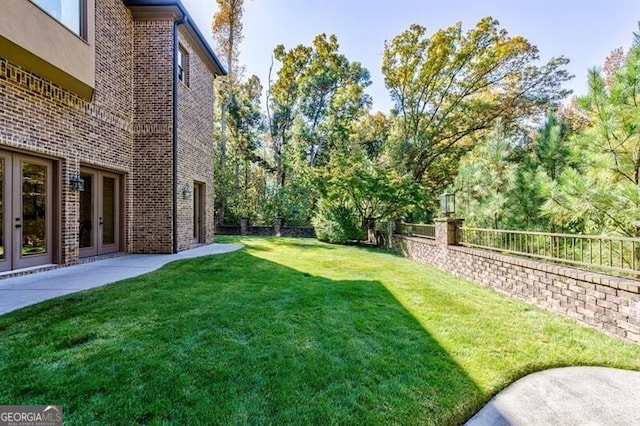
(391, 227)
(448, 231)
(277, 226)
(244, 226)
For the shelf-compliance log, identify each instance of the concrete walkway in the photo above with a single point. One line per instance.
(18, 292)
(566, 396)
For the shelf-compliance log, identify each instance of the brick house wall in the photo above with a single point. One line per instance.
(152, 173)
(610, 304)
(195, 145)
(126, 128)
(39, 118)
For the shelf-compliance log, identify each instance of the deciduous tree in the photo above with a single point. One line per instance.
(359, 183)
(450, 87)
(316, 96)
(227, 34)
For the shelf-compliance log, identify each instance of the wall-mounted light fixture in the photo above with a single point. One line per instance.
(186, 192)
(77, 183)
(447, 204)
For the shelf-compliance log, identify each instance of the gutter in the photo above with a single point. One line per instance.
(175, 131)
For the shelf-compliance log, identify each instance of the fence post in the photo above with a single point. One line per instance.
(244, 226)
(277, 226)
(448, 231)
(391, 227)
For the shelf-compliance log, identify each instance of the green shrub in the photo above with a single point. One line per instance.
(337, 224)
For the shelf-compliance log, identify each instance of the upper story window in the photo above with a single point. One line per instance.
(67, 12)
(183, 65)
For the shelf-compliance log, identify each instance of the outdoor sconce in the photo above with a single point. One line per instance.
(186, 192)
(447, 204)
(77, 183)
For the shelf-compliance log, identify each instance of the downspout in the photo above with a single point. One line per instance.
(175, 131)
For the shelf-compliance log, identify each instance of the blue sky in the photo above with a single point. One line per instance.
(584, 31)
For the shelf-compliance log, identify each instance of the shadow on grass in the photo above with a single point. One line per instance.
(250, 342)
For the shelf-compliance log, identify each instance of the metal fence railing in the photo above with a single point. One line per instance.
(418, 229)
(619, 254)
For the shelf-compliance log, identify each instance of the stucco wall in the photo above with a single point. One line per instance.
(30, 38)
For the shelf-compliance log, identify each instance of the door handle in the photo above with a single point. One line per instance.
(18, 224)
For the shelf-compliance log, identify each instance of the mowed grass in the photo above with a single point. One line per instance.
(286, 331)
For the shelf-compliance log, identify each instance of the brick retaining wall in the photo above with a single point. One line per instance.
(610, 304)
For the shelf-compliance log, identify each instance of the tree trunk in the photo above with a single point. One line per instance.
(244, 226)
(236, 178)
(223, 132)
(277, 226)
(370, 223)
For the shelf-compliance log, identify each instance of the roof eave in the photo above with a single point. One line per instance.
(174, 10)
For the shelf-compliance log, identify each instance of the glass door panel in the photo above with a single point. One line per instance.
(86, 212)
(2, 210)
(31, 212)
(5, 212)
(198, 214)
(108, 219)
(34, 209)
(87, 229)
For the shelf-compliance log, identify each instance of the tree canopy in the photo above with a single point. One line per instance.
(320, 92)
(602, 193)
(227, 31)
(474, 110)
(580, 171)
(450, 88)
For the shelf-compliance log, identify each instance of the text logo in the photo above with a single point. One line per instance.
(30, 415)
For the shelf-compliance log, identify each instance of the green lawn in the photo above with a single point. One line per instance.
(286, 331)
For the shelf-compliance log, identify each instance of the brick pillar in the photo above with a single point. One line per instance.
(392, 226)
(448, 231)
(277, 226)
(244, 226)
